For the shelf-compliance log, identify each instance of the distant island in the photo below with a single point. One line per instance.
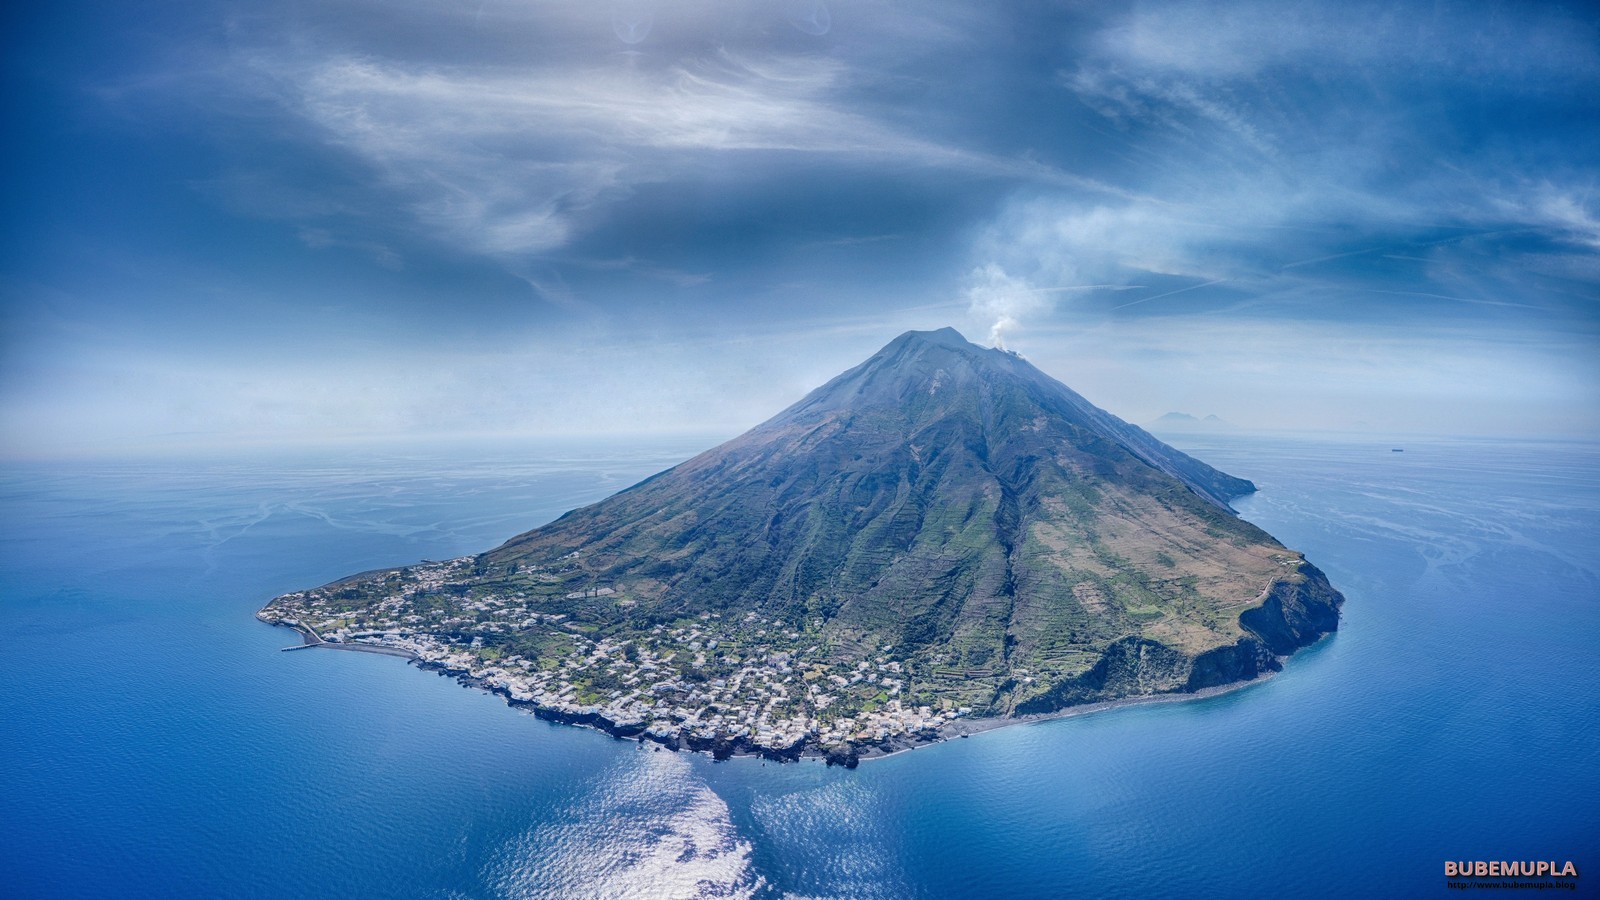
(939, 540)
(1183, 422)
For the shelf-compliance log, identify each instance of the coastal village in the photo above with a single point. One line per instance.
(746, 684)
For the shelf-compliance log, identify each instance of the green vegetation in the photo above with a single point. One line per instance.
(941, 529)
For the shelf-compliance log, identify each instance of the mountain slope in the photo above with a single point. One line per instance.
(939, 495)
(1006, 545)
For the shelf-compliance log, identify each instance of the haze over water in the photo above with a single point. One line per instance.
(156, 743)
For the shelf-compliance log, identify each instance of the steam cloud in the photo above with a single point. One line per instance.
(1004, 300)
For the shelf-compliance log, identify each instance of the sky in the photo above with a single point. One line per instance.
(234, 224)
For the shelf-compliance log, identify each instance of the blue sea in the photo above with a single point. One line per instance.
(154, 742)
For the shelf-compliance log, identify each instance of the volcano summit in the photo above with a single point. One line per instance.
(942, 533)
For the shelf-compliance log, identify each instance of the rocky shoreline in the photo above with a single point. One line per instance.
(848, 756)
(1298, 617)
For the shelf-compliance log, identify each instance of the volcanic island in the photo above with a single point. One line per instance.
(940, 540)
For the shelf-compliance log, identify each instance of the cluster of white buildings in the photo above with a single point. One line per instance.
(762, 688)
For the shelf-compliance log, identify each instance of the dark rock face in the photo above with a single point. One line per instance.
(1129, 667)
(1296, 613)
(1132, 666)
(1244, 661)
(843, 756)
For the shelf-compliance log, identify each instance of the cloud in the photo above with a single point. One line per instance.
(994, 295)
(509, 163)
(1267, 150)
(1562, 211)
(516, 152)
(1232, 40)
(768, 184)
(560, 111)
(322, 239)
(808, 16)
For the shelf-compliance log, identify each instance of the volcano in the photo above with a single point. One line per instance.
(943, 529)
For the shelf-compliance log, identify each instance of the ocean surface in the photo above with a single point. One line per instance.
(154, 742)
